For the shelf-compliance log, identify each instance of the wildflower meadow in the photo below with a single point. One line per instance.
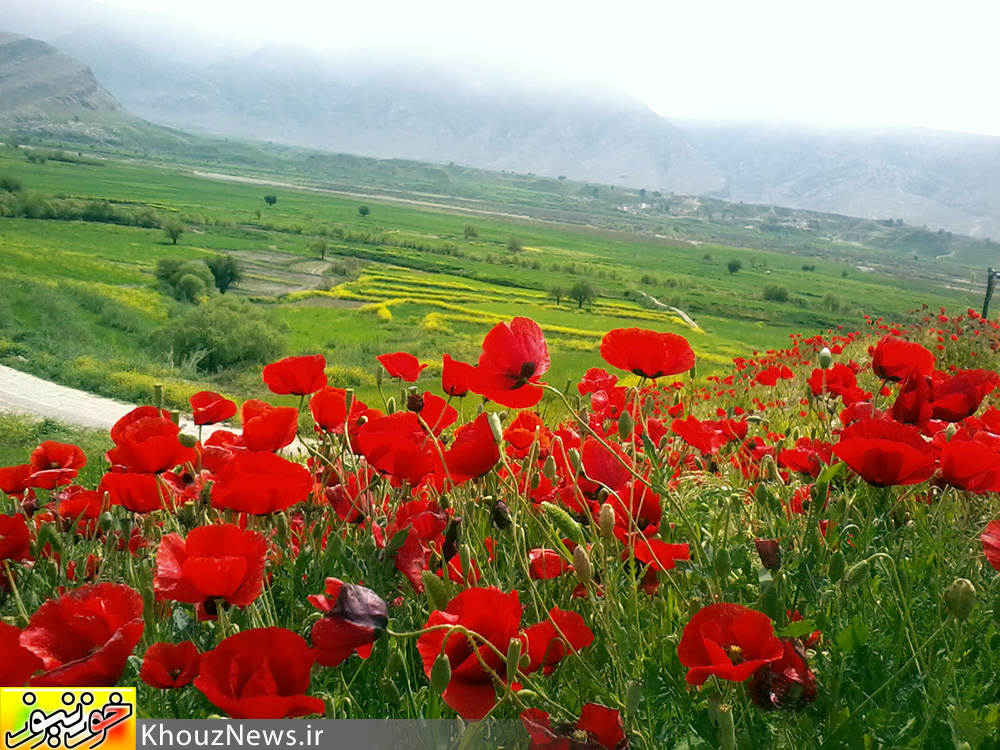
(800, 551)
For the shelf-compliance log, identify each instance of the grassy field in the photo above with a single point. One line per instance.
(79, 303)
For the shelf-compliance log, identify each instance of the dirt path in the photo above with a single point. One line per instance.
(21, 393)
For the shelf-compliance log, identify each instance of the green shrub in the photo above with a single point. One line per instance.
(224, 332)
(775, 293)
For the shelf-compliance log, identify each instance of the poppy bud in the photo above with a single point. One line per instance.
(606, 522)
(769, 552)
(838, 564)
(158, 395)
(581, 564)
(513, 658)
(626, 425)
(440, 673)
(435, 589)
(761, 494)
(564, 522)
(825, 358)
(583, 415)
(495, 427)
(960, 597)
(632, 697)
(393, 664)
(415, 402)
(390, 405)
(500, 515)
(575, 461)
(722, 563)
(389, 691)
(535, 482)
(857, 573)
(769, 468)
(187, 439)
(282, 532)
(379, 373)
(549, 468)
(105, 521)
(648, 405)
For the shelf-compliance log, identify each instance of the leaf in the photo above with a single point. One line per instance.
(797, 629)
(853, 637)
(831, 472)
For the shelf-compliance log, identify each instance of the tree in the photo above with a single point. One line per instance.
(557, 293)
(470, 232)
(734, 266)
(184, 280)
(173, 228)
(320, 247)
(364, 211)
(582, 292)
(514, 245)
(270, 199)
(226, 270)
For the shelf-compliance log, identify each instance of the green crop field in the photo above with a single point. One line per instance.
(80, 303)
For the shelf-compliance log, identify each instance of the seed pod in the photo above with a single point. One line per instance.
(564, 522)
(513, 658)
(379, 374)
(435, 590)
(415, 402)
(581, 565)
(648, 405)
(606, 522)
(960, 597)
(626, 426)
(838, 564)
(175, 416)
(440, 673)
(549, 468)
(452, 538)
(187, 439)
(158, 395)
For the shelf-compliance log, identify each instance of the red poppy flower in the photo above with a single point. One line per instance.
(18, 663)
(807, 457)
(401, 365)
(838, 380)
(527, 429)
(659, 555)
(648, 354)
(786, 683)
(473, 451)
(221, 561)
(433, 410)
(970, 465)
(548, 642)
(77, 502)
(15, 541)
(211, 408)
(955, 398)
(455, 376)
(596, 379)
(397, 444)
(55, 464)
(140, 493)
(598, 728)
(513, 359)
(296, 375)
(895, 359)
(886, 453)
(260, 483)
(546, 563)
(84, 638)
(495, 617)
(991, 543)
(353, 617)
(15, 480)
(259, 674)
(701, 435)
(268, 428)
(147, 443)
(167, 666)
(729, 641)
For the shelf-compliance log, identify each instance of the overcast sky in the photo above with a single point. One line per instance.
(843, 62)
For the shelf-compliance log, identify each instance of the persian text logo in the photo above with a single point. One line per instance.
(67, 718)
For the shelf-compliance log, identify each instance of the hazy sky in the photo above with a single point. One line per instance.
(882, 62)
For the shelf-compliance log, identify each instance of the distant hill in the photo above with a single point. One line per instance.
(43, 90)
(924, 177)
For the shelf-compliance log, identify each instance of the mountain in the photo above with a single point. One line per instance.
(43, 90)
(924, 177)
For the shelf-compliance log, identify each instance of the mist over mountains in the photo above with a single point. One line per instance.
(175, 75)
